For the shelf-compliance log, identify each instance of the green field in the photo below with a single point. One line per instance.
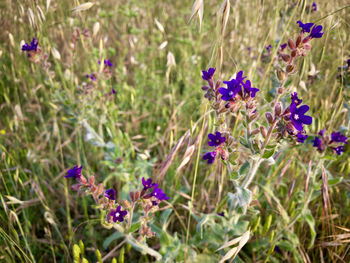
(146, 117)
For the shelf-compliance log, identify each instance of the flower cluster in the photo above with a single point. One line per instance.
(335, 143)
(216, 140)
(117, 213)
(33, 46)
(294, 119)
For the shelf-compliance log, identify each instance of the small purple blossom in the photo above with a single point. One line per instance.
(338, 137)
(233, 87)
(338, 150)
(147, 184)
(118, 215)
(91, 76)
(317, 143)
(75, 172)
(295, 99)
(239, 77)
(32, 46)
(113, 91)
(210, 156)
(283, 46)
(314, 7)
(321, 132)
(348, 62)
(298, 116)
(110, 194)
(316, 32)
(207, 75)
(249, 90)
(108, 63)
(301, 137)
(221, 214)
(215, 140)
(305, 27)
(268, 48)
(159, 194)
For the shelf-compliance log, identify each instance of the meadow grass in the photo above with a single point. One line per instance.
(157, 122)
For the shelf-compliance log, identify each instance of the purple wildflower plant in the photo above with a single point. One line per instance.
(247, 87)
(110, 194)
(75, 172)
(314, 7)
(210, 157)
(207, 75)
(338, 150)
(117, 214)
(33, 46)
(305, 27)
(216, 139)
(301, 137)
(233, 88)
(338, 137)
(147, 184)
(298, 117)
(159, 194)
(316, 32)
(283, 46)
(295, 99)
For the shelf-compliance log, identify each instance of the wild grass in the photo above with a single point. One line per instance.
(156, 126)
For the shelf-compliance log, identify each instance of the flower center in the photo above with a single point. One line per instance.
(217, 141)
(155, 193)
(296, 117)
(117, 214)
(230, 93)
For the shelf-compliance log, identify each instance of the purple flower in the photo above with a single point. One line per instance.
(301, 137)
(118, 215)
(298, 118)
(305, 27)
(316, 32)
(147, 184)
(338, 137)
(110, 194)
(321, 132)
(210, 156)
(295, 99)
(338, 150)
(268, 48)
(249, 90)
(113, 91)
(159, 194)
(75, 172)
(107, 63)
(314, 7)
(91, 76)
(317, 143)
(221, 214)
(348, 62)
(208, 74)
(239, 77)
(283, 46)
(216, 139)
(233, 87)
(33, 45)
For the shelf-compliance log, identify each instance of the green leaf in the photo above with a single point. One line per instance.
(334, 181)
(269, 152)
(244, 168)
(111, 238)
(240, 199)
(134, 227)
(311, 222)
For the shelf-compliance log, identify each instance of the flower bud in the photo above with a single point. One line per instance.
(217, 85)
(290, 128)
(293, 53)
(91, 180)
(132, 196)
(290, 68)
(263, 131)
(307, 46)
(291, 44)
(126, 204)
(298, 41)
(285, 57)
(253, 116)
(224, 154)
(256, 131)
(137, 195)
(281, 75)
(278, 109)
(269, 117)
(83, 180)
(205, 87)
(307, 39)
(280, 90)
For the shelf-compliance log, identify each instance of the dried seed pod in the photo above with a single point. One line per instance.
(281, 75)
(205, 87)
(253, 116)
(99, 190)
(291, 44)
(137, 195)
(290, 68)
(217, 85)
(278, 109)
(269, 117)
(91, 180)
(83, 180)
(132, 196)
(307, 46)
(263, 131)
(126, 204)
(293, 53)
